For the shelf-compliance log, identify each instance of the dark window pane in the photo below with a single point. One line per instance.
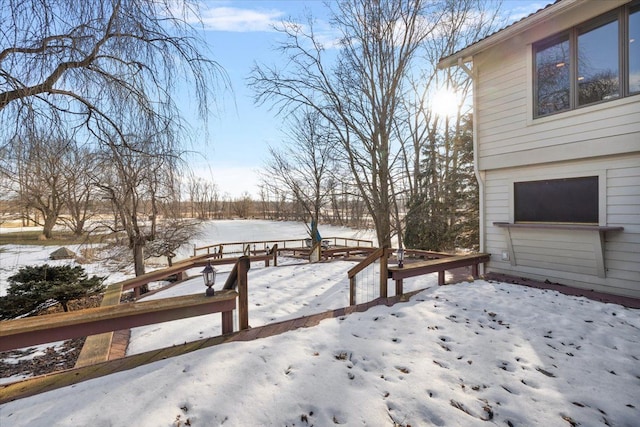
(552, 77)
(571, 200)
(598, 77)
(634, 51)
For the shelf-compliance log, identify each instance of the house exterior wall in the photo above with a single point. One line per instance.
(570, 256)
(602, 140)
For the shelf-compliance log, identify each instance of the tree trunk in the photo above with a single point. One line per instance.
(49, 223)
(138, 260)
(138, 257)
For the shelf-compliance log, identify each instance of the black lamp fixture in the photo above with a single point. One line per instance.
(209, 276)
(400, 255)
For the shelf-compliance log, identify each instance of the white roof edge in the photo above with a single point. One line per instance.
(466, 54)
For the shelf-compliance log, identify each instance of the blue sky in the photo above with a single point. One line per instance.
(239, 33)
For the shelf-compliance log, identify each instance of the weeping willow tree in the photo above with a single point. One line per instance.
(109, 71)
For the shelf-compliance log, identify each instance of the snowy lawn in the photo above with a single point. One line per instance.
(454, 355)
(462, 355)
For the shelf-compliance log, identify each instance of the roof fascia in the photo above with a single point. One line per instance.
(466, 54)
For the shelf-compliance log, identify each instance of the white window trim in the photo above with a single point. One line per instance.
(602, 189)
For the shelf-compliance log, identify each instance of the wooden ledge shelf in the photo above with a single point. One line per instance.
(599, 228)
(595, 234)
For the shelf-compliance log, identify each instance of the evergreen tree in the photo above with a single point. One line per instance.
(443, 215)
(33, 286)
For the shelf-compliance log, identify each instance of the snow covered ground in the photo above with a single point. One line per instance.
(461, 355)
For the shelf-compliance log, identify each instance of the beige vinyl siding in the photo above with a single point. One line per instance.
(508, 134)
(568, 256)
(613, 130)
(543, 249)
(623, 208)
(601, 139)
(496, 196)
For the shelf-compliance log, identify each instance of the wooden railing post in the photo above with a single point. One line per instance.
(243, 292)
(274, 250)
(384, 274)
(352, 290)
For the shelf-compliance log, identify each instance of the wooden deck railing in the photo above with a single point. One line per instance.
(19, 333)
(261, 246)
(439, 265)
(179, 268)
(417, 262)
(381, 255)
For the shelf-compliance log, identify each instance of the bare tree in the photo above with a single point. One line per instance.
(37, 169)
(204, 197)
(79, 190)
(360, 96)
(438, 150)
(134, 178)
(77, 63)
(109, 70)
(303, 165)
(242, 206)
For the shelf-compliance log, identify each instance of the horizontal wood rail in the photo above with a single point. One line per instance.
(19, 333)
(231, 248)
(180, 267)
(439, 265)
(346, 252)
(419, 253)
(373, 257)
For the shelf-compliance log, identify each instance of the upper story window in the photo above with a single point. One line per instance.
(588, 63)
(634, 49)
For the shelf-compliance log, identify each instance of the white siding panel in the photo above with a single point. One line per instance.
(601, 140)
(554, 249)
(623, 209)
(627, 247)
(629, 221)
(515, 95)
(506, 127)
(503, 138)
(564, 256)
(624, 190)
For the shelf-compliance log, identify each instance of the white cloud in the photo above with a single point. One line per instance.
(235, 19)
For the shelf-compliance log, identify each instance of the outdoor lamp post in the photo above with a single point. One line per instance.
(209, 276)
(400, 255)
